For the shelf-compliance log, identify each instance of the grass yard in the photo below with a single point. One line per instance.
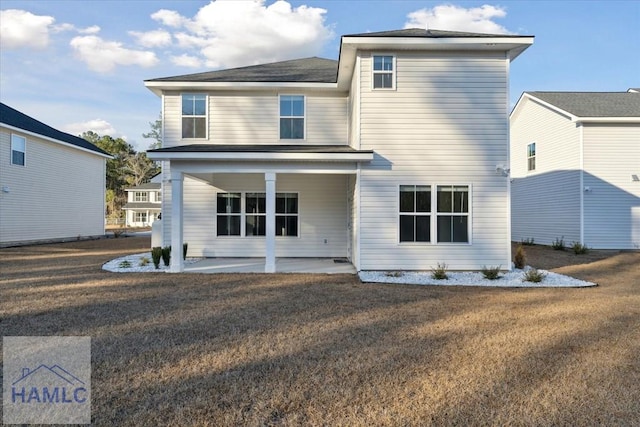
(259, 350)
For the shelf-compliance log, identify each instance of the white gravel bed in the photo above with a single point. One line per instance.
(115, 265)
(512, 279)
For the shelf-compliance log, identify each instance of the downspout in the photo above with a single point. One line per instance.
(581, 149)
(508, 162)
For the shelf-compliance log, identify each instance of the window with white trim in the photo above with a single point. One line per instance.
(244, 214)
(383, 71)
(229, 214)
(415, 213)
(140, 217)
(453, 213)
(158, 196)
(194, 116)
(286, 214)
(18, 150)
(531, 156)
(140, 196)
(292, 116)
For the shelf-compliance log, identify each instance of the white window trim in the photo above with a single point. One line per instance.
(304, 117)
(13, 135)
(534, 157)
(243, 215)
(206, 116)
(434, 215)
(393, 72)
(142, 193)
(137, 214)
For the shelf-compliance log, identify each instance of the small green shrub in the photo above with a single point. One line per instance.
(558, 244)
(393, 274)
(440, 272)
(144, 261)
(124, 264)
(527, 242)
(491, 273)
(156, 254)
(533, 275)
(579, 249)
(184, 250)
(166, 255)
(519, 258)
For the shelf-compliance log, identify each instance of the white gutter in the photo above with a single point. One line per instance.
(260, 156)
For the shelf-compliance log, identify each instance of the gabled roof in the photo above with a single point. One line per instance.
(145, 186)
(16, 119)
(584, 105)
(310, 70)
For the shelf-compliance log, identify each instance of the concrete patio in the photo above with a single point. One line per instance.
(283, 265)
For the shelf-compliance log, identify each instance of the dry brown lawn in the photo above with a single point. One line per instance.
(258, 350)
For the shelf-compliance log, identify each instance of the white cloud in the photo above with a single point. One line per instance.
(22, 29)
(235, 33)
(456, 18)
(156, 38)
(185, 60)
(99, 126)
(103, 56)
(94, 29)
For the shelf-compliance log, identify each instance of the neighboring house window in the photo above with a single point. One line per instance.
(291, 117)
(18, 150)
(194, 116)
(255, 219)
(286, 214)
(232, 212)
(453, 213)
(141, 217)
(141, 196)
(229, 214)
(383, 72)
(158, 196)
(415, 213)
(531, 156)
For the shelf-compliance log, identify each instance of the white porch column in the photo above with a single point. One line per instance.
(177, 264)
(270, 256)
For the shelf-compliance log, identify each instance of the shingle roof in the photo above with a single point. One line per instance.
(308, 70)
(215, 148)
(20, 120)
(435, 34)
(146, 186)
(594, 104)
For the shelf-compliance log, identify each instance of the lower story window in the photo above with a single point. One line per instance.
(244, 214)
(453, 213)
(141, 217)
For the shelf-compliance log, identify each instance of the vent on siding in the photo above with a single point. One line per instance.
(635, 178)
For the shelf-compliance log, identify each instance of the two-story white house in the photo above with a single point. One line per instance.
(575, 164)
(144, 203)
(386, 157)
(52, 184)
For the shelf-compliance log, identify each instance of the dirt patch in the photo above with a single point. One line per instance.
(296, 349)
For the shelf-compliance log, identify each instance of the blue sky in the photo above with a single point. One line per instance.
(80, 65)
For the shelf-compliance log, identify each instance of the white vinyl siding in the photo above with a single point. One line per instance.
(612, 206)
(445, 123)
(59, 195)
(545, 203)
(253, 118)
(322, 216)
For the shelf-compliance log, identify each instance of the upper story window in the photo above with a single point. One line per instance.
(140, 196)
(18, 150)
(158, 196)
(531, 156)
(383, 72)
(194, 116)
(291, 117)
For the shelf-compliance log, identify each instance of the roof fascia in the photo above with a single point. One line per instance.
(228, 156)
(57, 141)
(607, 120)
(158, 87)
(559, 110)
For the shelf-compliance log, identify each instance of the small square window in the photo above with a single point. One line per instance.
(383, 72)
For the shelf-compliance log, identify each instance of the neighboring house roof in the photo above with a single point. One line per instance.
(142, 205)
(634, 89)
(145, 186)
(16, 119)
(421, 32)
(594, 104)
(310, 70)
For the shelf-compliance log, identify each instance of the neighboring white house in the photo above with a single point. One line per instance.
(52, 184)
(386, 157)
(143, 203)
(575, 165)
